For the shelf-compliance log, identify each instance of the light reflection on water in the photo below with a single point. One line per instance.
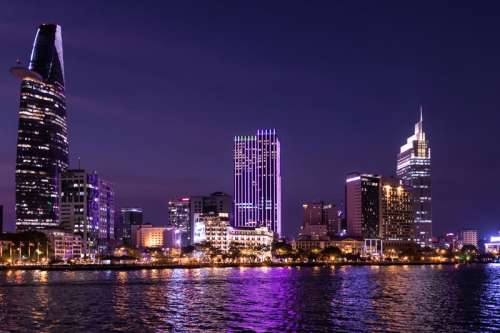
(347, 298)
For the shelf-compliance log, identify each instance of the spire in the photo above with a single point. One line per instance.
(421, 114)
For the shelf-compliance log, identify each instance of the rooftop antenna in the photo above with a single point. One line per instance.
(79, 163)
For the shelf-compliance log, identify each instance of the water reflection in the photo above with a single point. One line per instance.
(370, 298)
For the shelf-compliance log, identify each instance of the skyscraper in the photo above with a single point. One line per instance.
(362, 205)
(414, 170)
(257, 181)
(42, 145)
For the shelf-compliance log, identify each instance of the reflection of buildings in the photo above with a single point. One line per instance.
(469, 237)
(182, 212)
(362, 205)
(319, 219)
(257, 181)
(42, 145)
(414, 170)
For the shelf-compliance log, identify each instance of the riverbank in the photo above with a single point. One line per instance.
(129, 267)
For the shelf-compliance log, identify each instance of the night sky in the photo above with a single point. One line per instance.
(156, 92)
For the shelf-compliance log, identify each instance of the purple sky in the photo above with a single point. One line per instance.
(155, 94)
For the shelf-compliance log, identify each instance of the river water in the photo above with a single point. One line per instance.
(436, 298)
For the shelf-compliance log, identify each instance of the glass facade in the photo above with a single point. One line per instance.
(257, 181)
(414, 170)
(362, 203)
(42, 145)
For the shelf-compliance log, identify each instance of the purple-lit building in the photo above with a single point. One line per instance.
(87, 208)
(257, 181)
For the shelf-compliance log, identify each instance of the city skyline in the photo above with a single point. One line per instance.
(309, 174)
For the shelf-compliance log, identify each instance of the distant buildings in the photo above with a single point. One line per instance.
(493, 246)
(414, 170)
(348, 245)
(147, 236)
(319, 219)
(129, 217)
(396, 211)
(183, 212)
(362, 205)
(257, 181)
(42, 145)
(87, 208)
(469, 237)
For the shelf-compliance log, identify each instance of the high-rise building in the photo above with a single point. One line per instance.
(1, 219)
(42, 144)
(87, 208)
(106, 211)
(129, 217)
(319, 219)
(396, 211)
(362, 205)
(183, 212)
(179, 216)
(414, 170)
(469, 237)
(257, 181)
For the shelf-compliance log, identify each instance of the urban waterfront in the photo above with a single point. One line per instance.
(369, 298)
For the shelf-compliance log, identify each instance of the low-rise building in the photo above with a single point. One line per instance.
(65, 245)
(493, 247)
(216, 230)
(348, 245)
(148, 236)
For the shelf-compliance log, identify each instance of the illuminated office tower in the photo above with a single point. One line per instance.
(396, 211)
(42, 144)
(362, 205)
(414, 170)
(106, 212)
(87, 208)
(257, 181)
(179, 216)
(80, 206)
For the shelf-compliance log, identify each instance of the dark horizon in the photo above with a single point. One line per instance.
(341, 83)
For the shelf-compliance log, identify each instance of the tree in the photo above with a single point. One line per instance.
(329, 253)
